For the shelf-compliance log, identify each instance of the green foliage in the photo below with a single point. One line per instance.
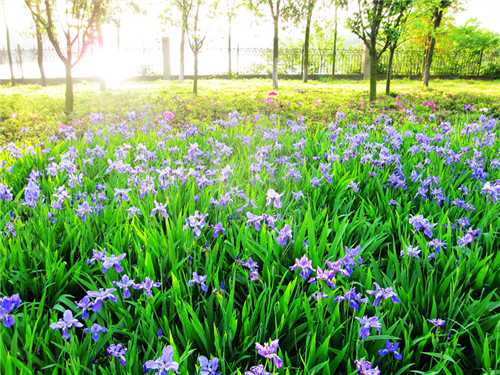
(471, 37)
(47, 262)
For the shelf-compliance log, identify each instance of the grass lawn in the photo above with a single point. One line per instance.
(245, 231)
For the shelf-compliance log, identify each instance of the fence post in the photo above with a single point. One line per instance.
(302, 61)
(165, 45)
(365, 63)
(19, 52)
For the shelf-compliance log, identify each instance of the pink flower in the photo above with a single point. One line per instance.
(272, 93)
(317, 101)
(14, 115)
(398, 103)
(168, 115)
(64, 127)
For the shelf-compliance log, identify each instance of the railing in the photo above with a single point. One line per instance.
(258, 61)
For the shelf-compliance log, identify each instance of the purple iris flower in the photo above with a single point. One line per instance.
(124, 284)
(269, 351)
(393, 202)
(367, 323)
(325, 275)
(319, 296)
(95, 330)
(411, 251)
(85, 304)
(165, 363)
(118, 351)
(255, 220)
(199, 280)
(102, 295)
(305, 265)
(113, 261)
(465, 240)
(391, 348)
(257, 370)
(133, 211)
(218, 228)
(122, 194)
(354, 186)
(11, 229)
(83, 210)
(7, 305)
(254, 275)
(353, 298)
(274, 197)
(208, 366)
(283, 234)
(366, 368)
(147, 286)
(437, 322)
(437, 244)
(97, 255)
(419, 221)
(5, 192)
(196, 221)
(315, 181)
(66, 323)
(385, 293)
(250, 264)
(161, 208)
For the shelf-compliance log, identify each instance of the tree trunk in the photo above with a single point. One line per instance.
(335, 42)
(9, 52)
(39, 46)
(118, 25)
(102, 80)
(438, 15)
(389, 71)
(229, 48)
(181, 67)
(306, 46)
(195, 80)
(20, 59)
(275, 55)
(69, 90)
(373, 75)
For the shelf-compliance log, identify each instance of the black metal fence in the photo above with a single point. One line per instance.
(405, 62)
(256, 61)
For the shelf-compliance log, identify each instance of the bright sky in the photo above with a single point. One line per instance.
(486, 11)
(146, 31)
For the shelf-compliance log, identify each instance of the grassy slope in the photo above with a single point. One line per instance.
(40, 109)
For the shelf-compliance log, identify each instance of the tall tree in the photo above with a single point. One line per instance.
(395, 40)
(298, 10)
(309, 11)
(39, 34)
(9, 50)
(275, 9)
(183, 8)
(76, 22)
(370, 23)
(438, 9)
(198, 23)
(335, 34)
(230, 12)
